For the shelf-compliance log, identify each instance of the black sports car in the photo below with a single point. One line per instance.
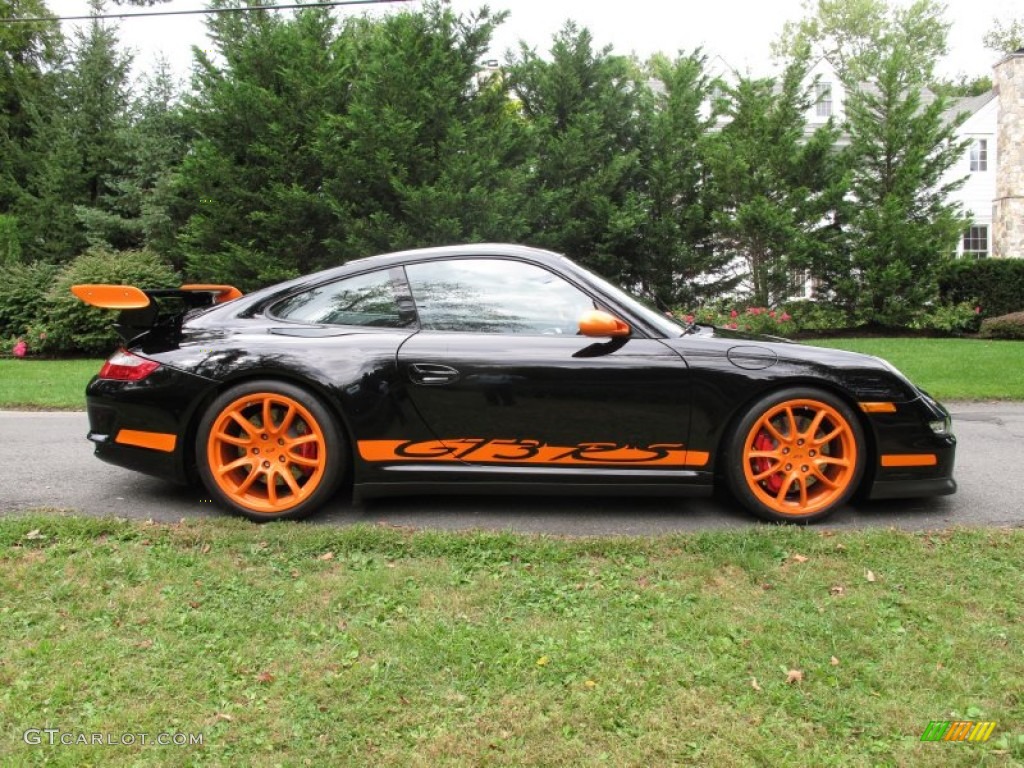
(485, 368)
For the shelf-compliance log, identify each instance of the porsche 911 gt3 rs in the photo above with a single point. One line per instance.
(493, 368)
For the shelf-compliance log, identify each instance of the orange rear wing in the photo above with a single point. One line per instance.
(129, 297)
(139, 310)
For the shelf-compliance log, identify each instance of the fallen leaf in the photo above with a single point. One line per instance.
(404, 700)
(799, 558)
(590, 684)
(224, 716)
(144, 644)
(543, 661)
(834, 661)
(754, 685)
(869, 575)
(264, 677)
(837, 590)
(840, 547)
(34, 534)
(193, 604)
(205, 550)
(326, 556)
(794, 676)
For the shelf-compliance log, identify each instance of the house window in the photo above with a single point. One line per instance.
(823, 99)
(976, 243)
(979, 155)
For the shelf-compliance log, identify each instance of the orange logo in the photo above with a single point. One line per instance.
(486, 451)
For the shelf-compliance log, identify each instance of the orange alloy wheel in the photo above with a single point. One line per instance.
(266, 452)
(800, 457)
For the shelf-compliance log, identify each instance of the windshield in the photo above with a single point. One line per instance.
(665, 324)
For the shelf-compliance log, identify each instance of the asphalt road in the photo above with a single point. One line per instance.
(47, 462)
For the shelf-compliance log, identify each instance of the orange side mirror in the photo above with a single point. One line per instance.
(599, 323)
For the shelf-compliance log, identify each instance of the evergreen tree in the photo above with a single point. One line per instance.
(583, 108)
(678, 263)
(776, 185)
(29, 54)
(903, 225)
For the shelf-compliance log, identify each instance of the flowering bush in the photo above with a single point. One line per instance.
(775, 322)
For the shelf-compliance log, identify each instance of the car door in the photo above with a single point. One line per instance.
(499, 374)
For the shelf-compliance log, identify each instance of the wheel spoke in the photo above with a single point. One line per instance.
(244, 423)
(241, 462)
(268, 414)
(787, 483)
(272, 486)
(803, 491)
(302, 461)
(232, 439)
(822, 477)
(791, 418)
(833, 461)
(815, 425)
(837, 432)
(286, 421)
(776, 454)
(289, 480)
(778, 436)
(301, 440)
(247, 483)
(766, 474)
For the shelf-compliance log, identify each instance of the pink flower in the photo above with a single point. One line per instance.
(771, 314)
(977, 310)
(785, 317)
(731, 325)
(689, 318)
(20, 349)
(734, 313)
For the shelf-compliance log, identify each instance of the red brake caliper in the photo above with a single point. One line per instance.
(764, 443)
(306, 450)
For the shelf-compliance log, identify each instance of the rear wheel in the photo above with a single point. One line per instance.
(269, 451)
(796, 456)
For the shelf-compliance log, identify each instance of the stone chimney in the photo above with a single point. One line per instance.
(1008, 207)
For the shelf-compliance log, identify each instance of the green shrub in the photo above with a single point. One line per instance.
(1009, 326)
(23, 289)
(71, 327)
(949, 318)
(996, 286)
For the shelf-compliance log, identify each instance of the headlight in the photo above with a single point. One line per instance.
(941, 427)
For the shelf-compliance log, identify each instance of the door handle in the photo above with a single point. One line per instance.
(432, 373)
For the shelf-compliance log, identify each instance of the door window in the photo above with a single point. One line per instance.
(495, 296)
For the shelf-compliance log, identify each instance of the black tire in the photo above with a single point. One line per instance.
(282, 472)
(796, 455)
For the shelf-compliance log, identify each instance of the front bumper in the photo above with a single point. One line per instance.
(911, 459)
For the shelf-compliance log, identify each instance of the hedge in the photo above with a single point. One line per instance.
(994, 285)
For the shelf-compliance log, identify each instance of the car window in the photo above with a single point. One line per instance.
(367, 300)
(495, 296)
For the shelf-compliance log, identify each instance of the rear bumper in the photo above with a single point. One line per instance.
(144, 426)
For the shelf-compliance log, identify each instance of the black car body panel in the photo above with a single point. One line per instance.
(434, 410)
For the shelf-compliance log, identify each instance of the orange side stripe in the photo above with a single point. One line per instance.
(111, 296)
(157, 441)
(909, 460)
(878, 407)
(479, 451)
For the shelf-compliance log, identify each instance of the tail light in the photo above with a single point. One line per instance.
(126, 366)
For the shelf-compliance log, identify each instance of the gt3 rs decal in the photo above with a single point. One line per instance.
(484, 451)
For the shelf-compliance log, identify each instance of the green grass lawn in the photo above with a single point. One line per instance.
(291, 644)
(56, 384)
(951, 369)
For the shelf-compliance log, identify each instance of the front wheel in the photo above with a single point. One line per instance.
(796, 456)
(269, 450)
